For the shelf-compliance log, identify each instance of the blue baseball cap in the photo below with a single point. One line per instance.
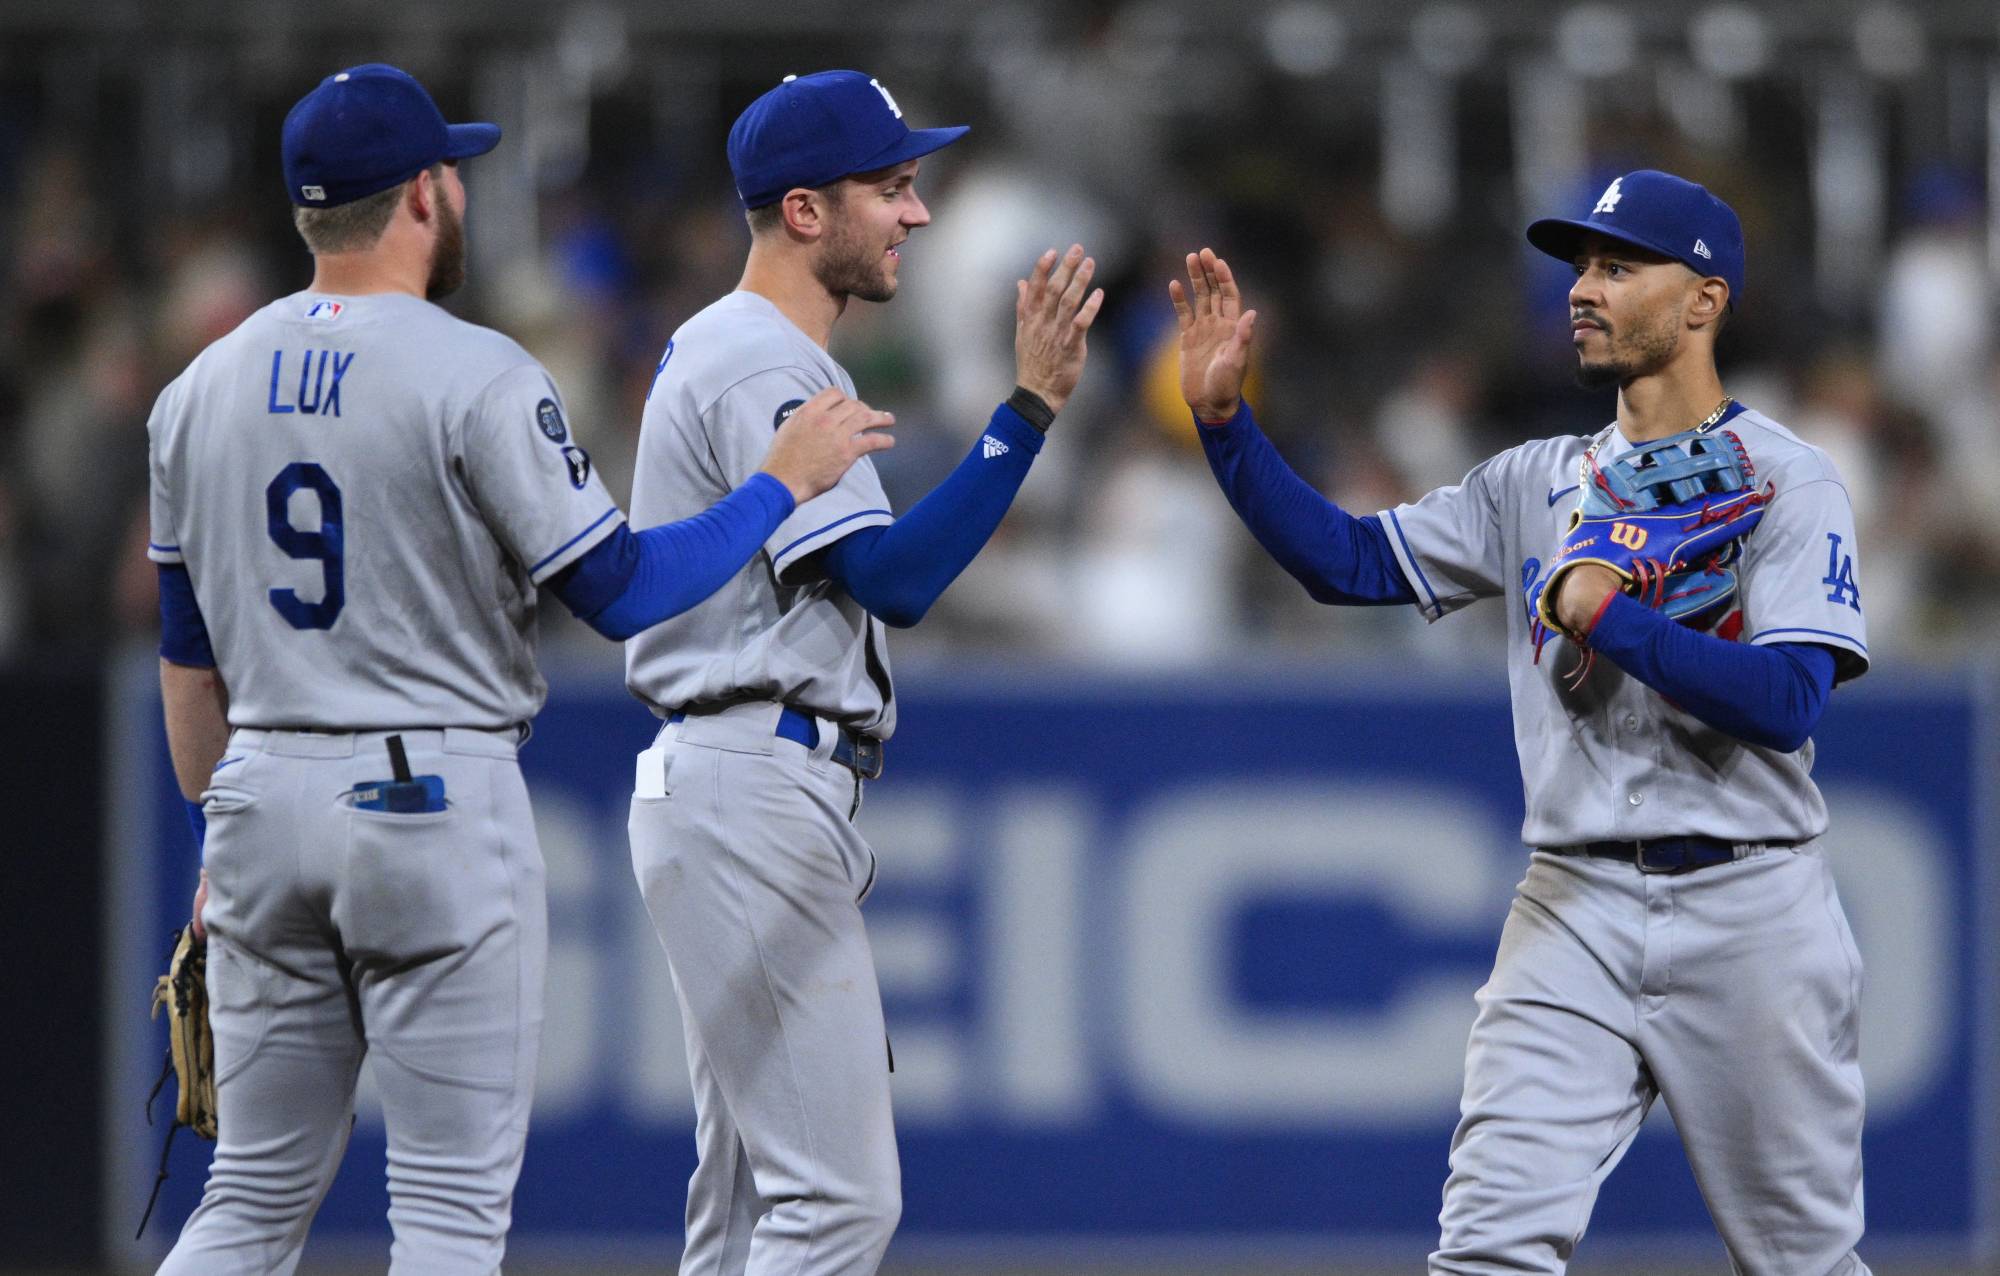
(814, 129)
(366, 129)
(1669, 215)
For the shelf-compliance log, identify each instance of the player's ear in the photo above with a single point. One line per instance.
(804, 213)
(421, 196)
(1708, 303)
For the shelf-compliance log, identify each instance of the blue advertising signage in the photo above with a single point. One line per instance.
(1174, 963)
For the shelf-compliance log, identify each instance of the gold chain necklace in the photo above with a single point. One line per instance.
(1706, 424)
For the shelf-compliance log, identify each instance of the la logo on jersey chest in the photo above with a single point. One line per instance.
(318, 382)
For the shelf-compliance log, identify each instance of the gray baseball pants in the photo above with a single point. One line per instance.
(751, 867)
(416, 941)
(1732, 993)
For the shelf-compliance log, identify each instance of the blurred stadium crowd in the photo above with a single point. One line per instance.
(1368, 170)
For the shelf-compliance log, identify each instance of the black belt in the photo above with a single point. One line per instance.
(861, 754)
(1666, 854)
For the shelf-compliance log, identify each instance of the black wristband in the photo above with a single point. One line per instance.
(1033, 408)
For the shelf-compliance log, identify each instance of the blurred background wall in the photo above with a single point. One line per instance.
(1368, 168)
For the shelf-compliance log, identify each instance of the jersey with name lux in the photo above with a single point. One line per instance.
(366, 491)
(1611, 759)
(780, 630)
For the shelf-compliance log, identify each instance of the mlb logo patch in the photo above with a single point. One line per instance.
(325, 311)
(313, 192)
(548, 417)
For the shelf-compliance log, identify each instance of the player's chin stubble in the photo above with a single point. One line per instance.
(447, 255)
(1643, 353)
(850, 267)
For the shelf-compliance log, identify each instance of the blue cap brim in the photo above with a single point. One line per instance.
(463, 141)
(1560, 237)
(918, 143)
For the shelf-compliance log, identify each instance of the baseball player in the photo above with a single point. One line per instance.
(776, 693)
(1677, 935)
(354, 496)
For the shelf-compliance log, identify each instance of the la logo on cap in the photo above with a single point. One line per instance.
(1608, 201)
(894, 110)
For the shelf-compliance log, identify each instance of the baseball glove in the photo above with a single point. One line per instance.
(183, 991)
(1668, 517)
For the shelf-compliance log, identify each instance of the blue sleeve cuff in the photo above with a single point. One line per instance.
(183, 633)
(1340, 559)
(898, 571)
(1770, 696)
(198, 821)
(631, 581)
(1015, 430)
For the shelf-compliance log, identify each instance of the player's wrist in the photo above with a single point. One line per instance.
(1216, 414)
(779, 489)
(1033, 406)
(1037, 405)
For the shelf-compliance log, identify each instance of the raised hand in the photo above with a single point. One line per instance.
(1051, 316)
(1215, 337)
(826, 435)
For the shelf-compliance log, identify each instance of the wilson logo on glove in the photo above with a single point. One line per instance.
(1694, 492)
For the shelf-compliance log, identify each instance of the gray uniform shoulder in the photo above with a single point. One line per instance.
(1780, 455)
(1530, 467)
(735, 338)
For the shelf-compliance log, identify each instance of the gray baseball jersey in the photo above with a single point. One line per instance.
(1611, 760)
(366, 491)
(1734, 991)
(778, 632)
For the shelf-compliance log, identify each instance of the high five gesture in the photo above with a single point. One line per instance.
(1215, 337)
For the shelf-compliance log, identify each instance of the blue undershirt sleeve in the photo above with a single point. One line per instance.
(183, 633)
(1338, 558)
(1771, 696)
(631, 581)
(898, 571)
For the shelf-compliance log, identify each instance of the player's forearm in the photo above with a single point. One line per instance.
(1769, 696)
(631, 581)
(197, 713)
(898, 571)
(1338, 558)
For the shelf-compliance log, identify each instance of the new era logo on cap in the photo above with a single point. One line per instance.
(1701, 250)
(314, 193)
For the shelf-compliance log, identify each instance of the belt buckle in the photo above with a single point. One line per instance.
(1639, 859)
(867, 751)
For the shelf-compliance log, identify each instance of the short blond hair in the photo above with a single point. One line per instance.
(355, 225)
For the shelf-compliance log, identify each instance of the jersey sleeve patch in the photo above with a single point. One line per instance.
(549, 419)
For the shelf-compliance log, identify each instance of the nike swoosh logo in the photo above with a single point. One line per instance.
(1557, 494)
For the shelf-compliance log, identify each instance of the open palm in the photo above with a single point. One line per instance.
(1215, 336)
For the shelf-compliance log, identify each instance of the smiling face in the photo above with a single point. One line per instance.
(1628, 311)
(868, 216)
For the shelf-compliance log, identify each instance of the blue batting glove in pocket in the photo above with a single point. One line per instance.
(417, 795)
